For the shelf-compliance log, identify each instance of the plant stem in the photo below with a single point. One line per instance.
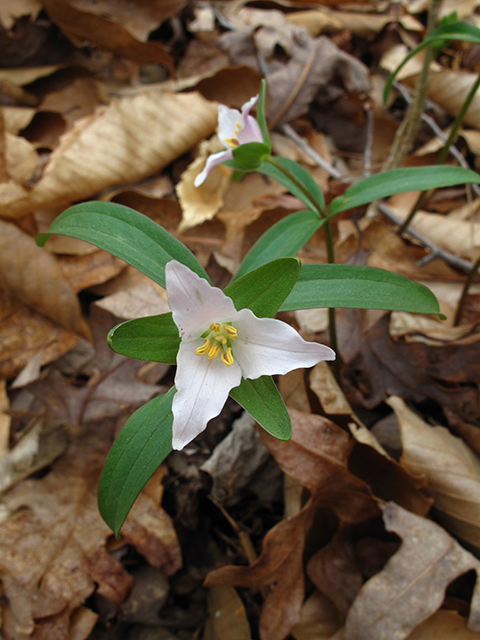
(463, 297)
(444, 152)
(407, 131)
(330, 252)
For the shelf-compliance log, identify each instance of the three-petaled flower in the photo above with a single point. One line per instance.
(234, 129)
(220, 346)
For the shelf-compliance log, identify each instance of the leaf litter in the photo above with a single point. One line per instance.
(364, 526)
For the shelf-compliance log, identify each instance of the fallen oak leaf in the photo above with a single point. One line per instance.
(411, 586)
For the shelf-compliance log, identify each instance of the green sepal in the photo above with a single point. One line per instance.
(251, 156)
(356, 287)
(153, 338)
(264, 289)
(140, 447)
(125, 233)
(389, 183)
(263, 402)
(300, 183)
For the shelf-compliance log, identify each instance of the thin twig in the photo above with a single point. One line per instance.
(455, 261)
(288, 131)
(463, 297)
(367, 156)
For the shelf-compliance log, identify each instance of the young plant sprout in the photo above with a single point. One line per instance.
(220, 346)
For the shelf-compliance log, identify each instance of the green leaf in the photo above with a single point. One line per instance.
(444, 33)
(125, 233)
(297, 180)
(141, 446)
(388, 183)
(250, 156)
(261, 399)
(153, 338)
(355, 287)
(283, 239)
(261, 118)
(264, 289)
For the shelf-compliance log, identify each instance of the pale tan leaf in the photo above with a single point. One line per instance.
(17, 118)
(124, 142)
(144, 299)
(451, 468)
(411, 586)
(12, 9)
(227, 617)
(327, 390)
(450, 89)
(5, 419)
(22, 159)
(444, 625)
(26, 75)
(35, 277)
(202, 203)
(318, 619)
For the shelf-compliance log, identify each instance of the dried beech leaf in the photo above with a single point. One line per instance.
(120, 143)
(450, 89)
(227, 619)
(411, 587)
(444, 625)
(318, 619)
(35, 277)
(451, 468)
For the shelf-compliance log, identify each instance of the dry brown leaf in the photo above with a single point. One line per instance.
(91, 269)
(451, 468)
(124, 142)
(444, 625)
(24, 333)
(411, 587)
(53, 543)
(227, 619)
(22, 159)
(35, 278)
(12, 9)
(328, 391)
(318, 619)
(5, 419)
(17, 118)
(316, 457)
(450, 89)
(82, 27)
(139, 19)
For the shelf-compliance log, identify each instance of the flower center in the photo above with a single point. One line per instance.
(233, 141)
(217, 341)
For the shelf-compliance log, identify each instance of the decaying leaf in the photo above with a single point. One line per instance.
(120, 143)
(412, 585)
(227, 619)
(452, 470)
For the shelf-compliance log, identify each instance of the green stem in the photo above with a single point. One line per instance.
(330, 252)
(443, 153)
(463, 297)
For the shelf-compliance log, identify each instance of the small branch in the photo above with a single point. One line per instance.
(288, 131)
(463, 297)
(455, 261)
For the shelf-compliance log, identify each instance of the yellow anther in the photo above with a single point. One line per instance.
(214, 326)
(227, 357)
(214, 351)
(221, 339)
(231, 331)
(204, 349)
(232, 142)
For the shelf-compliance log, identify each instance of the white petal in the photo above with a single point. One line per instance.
(212, 161)
(228, 121)
(202, 390)
(266, 346)
(248, 105)
(194, 303)
(251, 131)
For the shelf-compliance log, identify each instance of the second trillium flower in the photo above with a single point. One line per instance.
(234, 129)
(220, 346)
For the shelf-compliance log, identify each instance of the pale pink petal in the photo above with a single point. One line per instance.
(251, 131)
(228, 121)
(194, 303)
(202, 389)
(212, 161)
(246, 108)
(266, 346)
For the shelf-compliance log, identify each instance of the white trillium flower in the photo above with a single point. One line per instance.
(220, 346)
(234, 128)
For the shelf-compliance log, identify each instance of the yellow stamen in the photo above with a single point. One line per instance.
(227, 357)
(232, 142)
(214, 351)
(221, 339)
(204, 349)
(231, 331)
(214, 326)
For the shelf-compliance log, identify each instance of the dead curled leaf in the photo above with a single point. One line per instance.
(411, 587)
(452, 470)
(35, 277)
(53, 543)
(120, 143)
(316, 457)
